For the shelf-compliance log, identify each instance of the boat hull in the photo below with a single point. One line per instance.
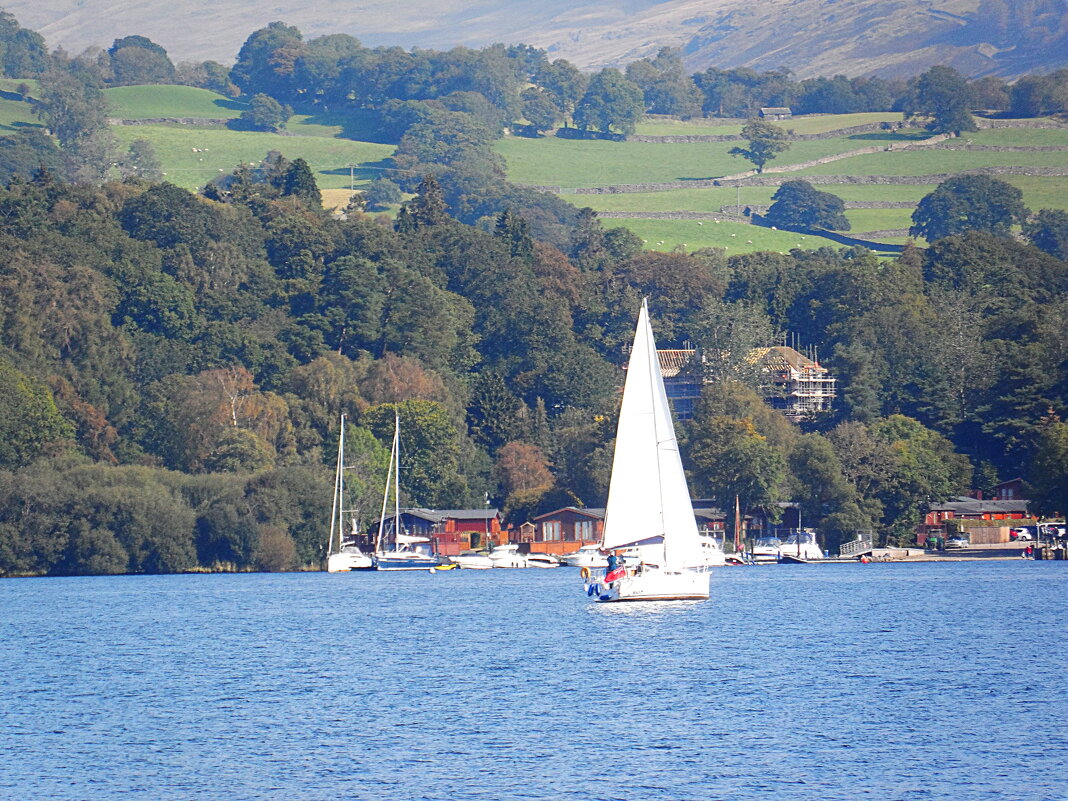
(586, 559)
(347, 562)
(652, 585)
(388, 562)
(472, 562)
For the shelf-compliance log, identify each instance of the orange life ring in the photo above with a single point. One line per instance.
(585, 573)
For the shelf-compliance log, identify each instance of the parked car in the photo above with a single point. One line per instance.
(957, 542)
(1021, 534)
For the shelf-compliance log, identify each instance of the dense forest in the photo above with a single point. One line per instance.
(174, 365)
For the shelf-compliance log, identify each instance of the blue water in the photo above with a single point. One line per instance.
(921, 681)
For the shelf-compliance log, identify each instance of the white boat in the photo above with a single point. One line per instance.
(766, 550)
(394, 549)
(346, 555)
(542, 560)
(587, 556)
(801, 546)
(712, 550)
(649, 508)
(472, 561)
(797, 547)
(507, 556)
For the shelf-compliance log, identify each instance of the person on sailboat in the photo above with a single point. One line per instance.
(615, 570)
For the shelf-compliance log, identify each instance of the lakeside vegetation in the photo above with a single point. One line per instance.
(184, 356)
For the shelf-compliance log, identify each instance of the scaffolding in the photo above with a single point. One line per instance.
(798, 385)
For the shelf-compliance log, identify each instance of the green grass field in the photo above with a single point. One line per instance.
(821, 123)
(1045, 192)
(1018, 136)
(220, 151)
(689, 235)
(878, 219)
(933, 162)
(668, 127)
(15, 114)
(551, 161)
(708, 199)
(809, 124)
(12, 85)
(150, 102)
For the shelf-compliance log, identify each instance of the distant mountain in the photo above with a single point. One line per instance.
(810, 37)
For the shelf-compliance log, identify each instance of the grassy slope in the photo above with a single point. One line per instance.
(931, 162)
(223, 149)
(813, 123)
(12, 85)
(551, 161)
(735, 237)
(147, 102)
(15, 114)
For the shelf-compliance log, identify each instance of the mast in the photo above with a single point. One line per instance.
(341, 486)
(737, 527)
(334, 514)
(385, 494)
(396, 476)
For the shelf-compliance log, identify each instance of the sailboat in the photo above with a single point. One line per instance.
(649, 513)
(395, 549)
(344, 527)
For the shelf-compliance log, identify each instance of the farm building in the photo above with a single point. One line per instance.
(776, 113)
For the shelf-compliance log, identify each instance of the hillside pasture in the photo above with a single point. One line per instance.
(665, 126)
(15, 114)
(552, 161)
(156, 102)
(1027, 137)
(193, 156)
(11, 85)
(821, 123)
(691, 235)
(863, 220)
(933, 162)
(1041, 192)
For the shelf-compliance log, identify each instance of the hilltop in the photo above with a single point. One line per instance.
(809, 37)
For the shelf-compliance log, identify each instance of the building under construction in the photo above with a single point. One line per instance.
(797, 384)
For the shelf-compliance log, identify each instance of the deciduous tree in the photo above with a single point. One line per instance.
(766, 141)
(969, 203)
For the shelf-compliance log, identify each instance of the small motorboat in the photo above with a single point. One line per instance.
(542, 560)
(712, 551)
(472, 560)
(587, 556)
(507, 556)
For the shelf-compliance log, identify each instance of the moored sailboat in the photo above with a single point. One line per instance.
(649, 510)
(394, 549)
(344, 526)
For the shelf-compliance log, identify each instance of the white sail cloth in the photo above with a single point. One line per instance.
(649, 505)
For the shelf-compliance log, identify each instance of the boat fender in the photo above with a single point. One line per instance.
(585, 573)
(592, 589)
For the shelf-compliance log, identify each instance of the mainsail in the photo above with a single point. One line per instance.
(649, 505)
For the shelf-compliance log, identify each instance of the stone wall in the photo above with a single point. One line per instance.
(696, 138)
(198, 122)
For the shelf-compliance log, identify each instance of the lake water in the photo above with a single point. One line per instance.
(918, 681)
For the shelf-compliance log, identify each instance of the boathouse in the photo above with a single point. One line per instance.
(972, 513)
(565, 530)
(451, 530)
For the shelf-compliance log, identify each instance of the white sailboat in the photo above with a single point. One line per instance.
(395, 549)
(344, 527)
(649, 510)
